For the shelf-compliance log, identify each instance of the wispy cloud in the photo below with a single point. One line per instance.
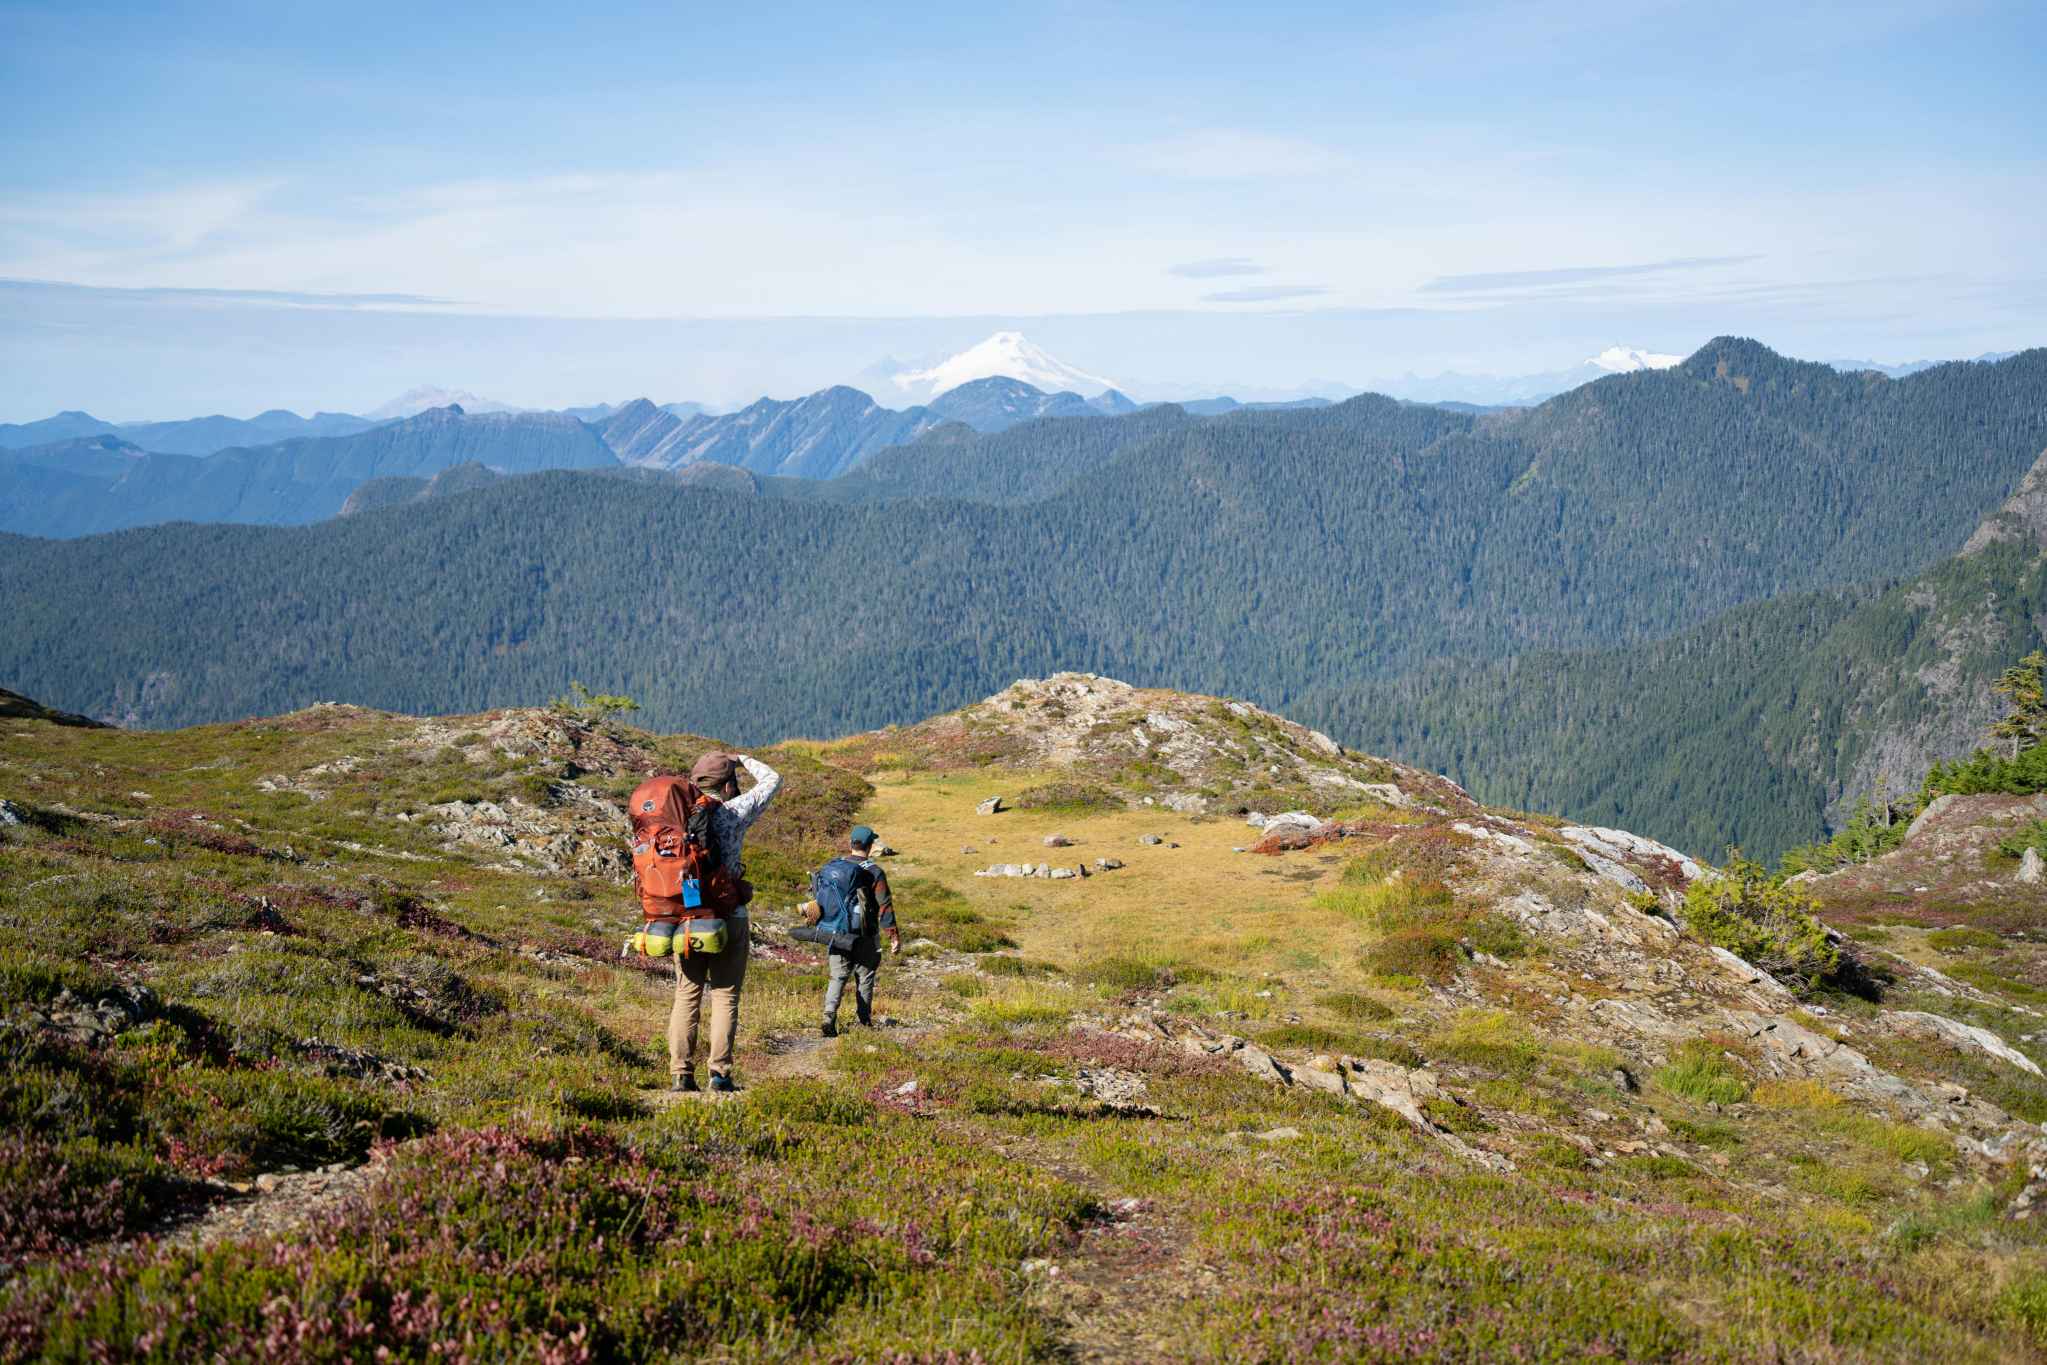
(1584, 274)
(1216, 267)
(272, 296)
(1265, 293)
(1231, 154)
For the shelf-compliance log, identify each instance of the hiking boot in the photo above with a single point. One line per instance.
(683, 1083)
(866, 1022)
(828, 1029)
(721, 1084)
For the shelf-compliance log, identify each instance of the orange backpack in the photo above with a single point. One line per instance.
(676, 859)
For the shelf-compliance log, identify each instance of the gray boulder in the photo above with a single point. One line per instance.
(1293, 819)
(2031, 868)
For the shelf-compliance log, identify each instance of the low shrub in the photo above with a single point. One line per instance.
(809, 1101)
(1354, 1006)
(1068, 797)
(997, 964)
(1764, 922)
(1871, 831)
(1497, 936)
(2033, 837)
(1309, 1037)
(1125, 974)
(1426, 952)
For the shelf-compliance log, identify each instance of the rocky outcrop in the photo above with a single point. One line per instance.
(1962, 1035)
(579, 833)
(1949, 853)
(1400, 1089)
(1200, 752)
(2023, 516)
(93, 1019)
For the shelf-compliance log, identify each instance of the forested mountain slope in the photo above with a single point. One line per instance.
(1024, 463)
(1760, 729)
(81, 489)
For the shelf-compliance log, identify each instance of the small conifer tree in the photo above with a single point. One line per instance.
(2024, 688)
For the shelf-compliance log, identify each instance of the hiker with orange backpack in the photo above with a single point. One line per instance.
(689, 837)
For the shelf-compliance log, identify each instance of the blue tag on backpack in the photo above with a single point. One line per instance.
(692, 893)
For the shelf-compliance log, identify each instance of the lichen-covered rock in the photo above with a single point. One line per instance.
(1962, 1035)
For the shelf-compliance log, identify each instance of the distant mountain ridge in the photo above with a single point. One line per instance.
(100, 484)
(828, 433)
(191, 436)
(94, 476)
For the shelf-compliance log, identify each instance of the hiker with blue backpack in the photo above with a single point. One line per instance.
(853, 907)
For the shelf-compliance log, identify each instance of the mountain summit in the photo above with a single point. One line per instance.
(1629, 359)
(1010, 354)
(413, 402)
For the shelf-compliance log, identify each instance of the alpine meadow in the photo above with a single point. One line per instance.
(708, 685)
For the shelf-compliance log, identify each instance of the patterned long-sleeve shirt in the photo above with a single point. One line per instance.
(732, 819)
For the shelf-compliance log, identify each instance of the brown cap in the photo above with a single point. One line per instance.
(717, 774)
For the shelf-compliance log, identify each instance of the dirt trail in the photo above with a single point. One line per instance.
(1118, 1293)
(783, 1055)
(268, 1208)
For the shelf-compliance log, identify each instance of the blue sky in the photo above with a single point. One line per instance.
(1262, 197)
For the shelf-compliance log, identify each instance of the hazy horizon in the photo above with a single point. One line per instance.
(231, 208)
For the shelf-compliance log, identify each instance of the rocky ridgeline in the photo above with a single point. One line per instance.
(1175, 750)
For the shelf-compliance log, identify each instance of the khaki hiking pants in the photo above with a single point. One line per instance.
(720, 976)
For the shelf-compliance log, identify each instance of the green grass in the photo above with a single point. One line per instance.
(1701, 1071)
(1957, 941)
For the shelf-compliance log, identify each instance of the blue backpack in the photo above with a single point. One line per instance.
(836, 887)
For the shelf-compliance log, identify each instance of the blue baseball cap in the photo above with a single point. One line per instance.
(861, 836)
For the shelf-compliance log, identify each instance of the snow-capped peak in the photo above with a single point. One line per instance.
(1005, 353)
(1628, 359)
(413, 402)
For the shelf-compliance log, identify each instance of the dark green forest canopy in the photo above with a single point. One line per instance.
(1757, 729)
(1294, 558)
